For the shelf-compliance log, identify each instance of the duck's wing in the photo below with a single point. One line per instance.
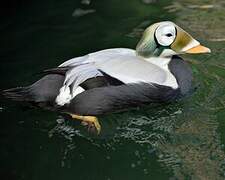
(128, 68)
(80, 69)
(120, 63)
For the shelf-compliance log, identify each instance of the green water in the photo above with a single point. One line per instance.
(182, 140)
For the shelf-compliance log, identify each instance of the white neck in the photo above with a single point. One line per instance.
(167, 53)
(162, 60)
(163, 63)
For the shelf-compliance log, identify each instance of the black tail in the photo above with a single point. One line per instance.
(18, 94)
(45, 90)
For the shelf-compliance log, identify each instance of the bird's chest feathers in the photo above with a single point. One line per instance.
(163, 63)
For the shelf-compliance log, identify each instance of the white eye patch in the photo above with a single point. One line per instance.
(165, 34)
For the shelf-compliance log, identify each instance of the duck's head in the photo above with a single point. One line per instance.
(167, 39)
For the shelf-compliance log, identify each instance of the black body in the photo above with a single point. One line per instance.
(105, 94)
(103, 100)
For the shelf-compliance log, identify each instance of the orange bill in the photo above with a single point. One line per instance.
(198, 49)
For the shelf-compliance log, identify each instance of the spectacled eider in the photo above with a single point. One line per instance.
(116, 79)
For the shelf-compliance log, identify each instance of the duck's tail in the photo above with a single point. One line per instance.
(18, 94)
(42, 93)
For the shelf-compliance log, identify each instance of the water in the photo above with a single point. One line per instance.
(182, 140)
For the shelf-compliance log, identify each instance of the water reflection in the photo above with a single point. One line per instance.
(81, 12)
(86, 2)
(78, 12)
(137, 31)
(147, 128)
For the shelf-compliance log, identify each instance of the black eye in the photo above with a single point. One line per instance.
(169, 35)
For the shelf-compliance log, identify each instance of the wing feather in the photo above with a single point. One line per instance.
(73, 78)
(119, 63)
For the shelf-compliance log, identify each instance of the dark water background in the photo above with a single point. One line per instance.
(182, 140)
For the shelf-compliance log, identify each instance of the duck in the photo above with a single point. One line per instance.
(117, 79)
